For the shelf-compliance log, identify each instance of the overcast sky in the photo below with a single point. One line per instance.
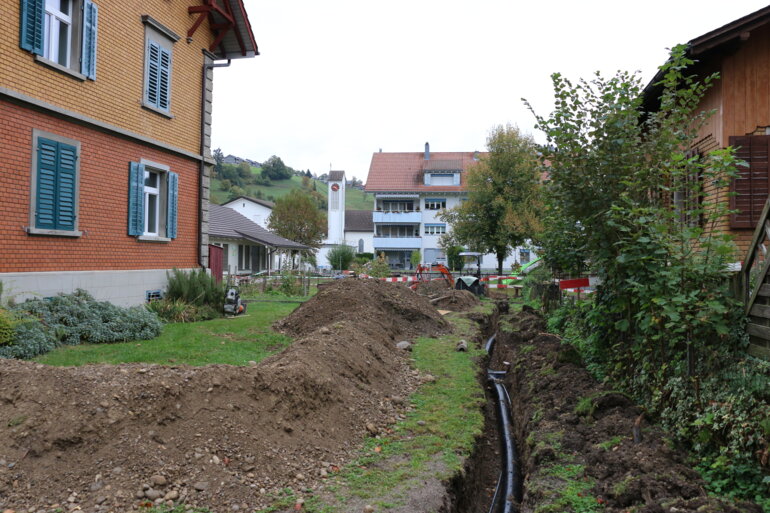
(340, 79)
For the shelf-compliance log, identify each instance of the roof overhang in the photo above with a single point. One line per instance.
(725, 39)
(233, 38)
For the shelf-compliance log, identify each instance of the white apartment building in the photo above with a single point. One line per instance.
(410, 189)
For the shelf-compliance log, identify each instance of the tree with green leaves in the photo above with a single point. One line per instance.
(219, 158)
(274, 169)
(297, 217)
(500, 212)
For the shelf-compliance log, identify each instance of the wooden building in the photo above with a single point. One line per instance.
(740, 53)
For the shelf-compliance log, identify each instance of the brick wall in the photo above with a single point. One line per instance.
(103, 203)
(115, 96)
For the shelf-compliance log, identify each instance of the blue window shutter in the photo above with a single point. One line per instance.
(173, 196)
(66, 196)
(136, 199)
(164, 81)
(46, 184)
(456, 179)
(31, 30)
(88, 50)
(153, 73)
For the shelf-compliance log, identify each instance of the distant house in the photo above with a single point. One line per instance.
(410, 190)
(105, 108)
(255, 209)
(740, 99)
(232, 159)
(248, 248)
(352, 228)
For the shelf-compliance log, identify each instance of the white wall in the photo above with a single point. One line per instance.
(253, 211)
(122, 288)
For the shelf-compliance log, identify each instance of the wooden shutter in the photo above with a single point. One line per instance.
(66, 183)
(751, 184)
(31, 26)
(45, 186)
(164, 80)
(136, 199)
(171, 205)
(88, 50)
(56, 185)
(153, 71)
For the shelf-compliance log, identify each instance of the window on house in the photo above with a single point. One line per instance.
(750, 186)
(62, 33)
(434, 255)
(54, 207)
(159, 42)
(244, 257)
(152, 203)
(360, 245)
(524, 256)
(435, 229)
(435, 203)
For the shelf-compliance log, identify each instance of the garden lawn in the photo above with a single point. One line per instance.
(233, 341)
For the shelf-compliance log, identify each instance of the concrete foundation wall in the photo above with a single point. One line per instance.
(122, 288)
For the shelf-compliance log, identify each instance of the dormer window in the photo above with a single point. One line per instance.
(442, 172)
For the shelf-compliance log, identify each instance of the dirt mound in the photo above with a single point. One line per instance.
(433, 287)
(445, 298)
(564, 419)
(104, 438)
(372, 305)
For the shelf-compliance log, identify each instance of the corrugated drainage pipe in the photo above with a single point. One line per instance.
(508, 491)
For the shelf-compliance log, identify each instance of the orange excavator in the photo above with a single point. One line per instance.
(422, 274)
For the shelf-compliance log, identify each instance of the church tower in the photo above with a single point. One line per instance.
(336, 217)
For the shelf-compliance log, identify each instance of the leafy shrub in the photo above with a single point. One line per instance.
(196, 287)
(377, 268)
(179, 311)
(71, 319)
(6, 327)
(340, 257)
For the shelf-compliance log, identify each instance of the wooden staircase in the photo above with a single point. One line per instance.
(757, 297)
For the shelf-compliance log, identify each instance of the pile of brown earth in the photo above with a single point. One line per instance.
(546, 384)
(445, 298)
(107, 438)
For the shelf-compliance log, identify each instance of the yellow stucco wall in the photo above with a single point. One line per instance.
(115, 97)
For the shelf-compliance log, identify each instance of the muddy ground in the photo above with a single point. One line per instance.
(594, 443)
(103, 438)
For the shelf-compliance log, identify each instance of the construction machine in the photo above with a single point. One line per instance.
(423, 271)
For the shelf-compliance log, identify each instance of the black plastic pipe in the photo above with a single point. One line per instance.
(508, 491)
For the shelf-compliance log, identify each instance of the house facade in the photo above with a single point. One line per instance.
(410, 191)
(105, 108)
(740, 101)
(255, 209)
(247, 247)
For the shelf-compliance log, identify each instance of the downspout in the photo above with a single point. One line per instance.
(206, 68)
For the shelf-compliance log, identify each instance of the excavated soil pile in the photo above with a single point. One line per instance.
(372, 305)
(444, 298)
(105, 438)
(595, 439)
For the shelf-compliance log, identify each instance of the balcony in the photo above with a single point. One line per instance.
(397, 242)
(397, 217)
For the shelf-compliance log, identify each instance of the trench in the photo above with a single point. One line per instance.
(492, 478)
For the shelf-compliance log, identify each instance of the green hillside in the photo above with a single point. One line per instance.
(355, 199)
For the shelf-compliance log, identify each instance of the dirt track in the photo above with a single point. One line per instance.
(107, 438)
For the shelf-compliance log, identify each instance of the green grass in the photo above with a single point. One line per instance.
(233, 341)
(355, 199)
(438, 433)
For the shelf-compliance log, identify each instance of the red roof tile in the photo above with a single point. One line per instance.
(403, 172)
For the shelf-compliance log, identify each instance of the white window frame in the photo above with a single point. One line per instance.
(161, 191)
(435, 203)
(54, 19)
(435, 229)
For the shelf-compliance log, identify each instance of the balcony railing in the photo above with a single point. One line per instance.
(397, 243)
(397, 216)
